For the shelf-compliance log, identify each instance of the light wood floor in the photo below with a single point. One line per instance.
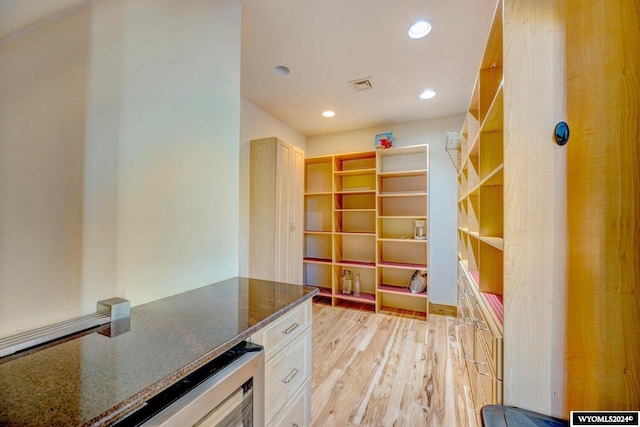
(381, 370)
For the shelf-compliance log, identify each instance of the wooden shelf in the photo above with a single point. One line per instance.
(317, 260)
(318, 193)
(476, 277)
(496, 242)
(495, 302)
(474, 106)
(403, 194)
(419, 172)
(401, 240)
(473, 191)
(401, 291)
(368, 171)
(354, 210)
(363, 298)
(495, 116)
(401, 151)
(473, 147)
(356, 233)
(402, 217)
(495, 177)
(351, 263)
(318, 232)
(323, 292)
(351, 192)
(402, 265)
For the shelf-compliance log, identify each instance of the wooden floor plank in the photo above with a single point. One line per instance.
(381, 370)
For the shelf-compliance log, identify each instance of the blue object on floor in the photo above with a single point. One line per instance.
(509, 416)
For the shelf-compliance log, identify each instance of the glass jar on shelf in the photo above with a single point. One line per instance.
(356, 286)
(347, 282)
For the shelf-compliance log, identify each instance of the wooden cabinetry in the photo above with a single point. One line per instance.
(287, 344)
(360, 210)
(276, 211)
(481, 340)
(552, 230)
(481, 226)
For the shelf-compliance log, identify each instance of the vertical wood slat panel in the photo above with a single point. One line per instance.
(535, 207)
(603, 85)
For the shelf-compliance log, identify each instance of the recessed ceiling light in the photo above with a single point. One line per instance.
(281, 70)
(419, 29)
(329, 113)
(428, 94)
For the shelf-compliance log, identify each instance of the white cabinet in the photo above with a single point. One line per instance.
(287, 344)
(276, 211)
(298, 412)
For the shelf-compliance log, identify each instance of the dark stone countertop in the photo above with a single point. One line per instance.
(92, 380)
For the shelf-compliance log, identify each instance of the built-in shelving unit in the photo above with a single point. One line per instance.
(318, 227)
(481, 226)
(360, 210)
(354, 214)
(547, 280)
(403, 188)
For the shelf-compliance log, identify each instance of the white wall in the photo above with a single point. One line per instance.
(119, 130)
(255, 123)
(442, 189)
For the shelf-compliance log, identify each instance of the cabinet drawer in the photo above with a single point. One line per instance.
(493, 344)
(283, 330)
(489, 389)
(465, 328)
(479, 397)
(491, 386)
(484, 376)
(473, 383)
(285, 373)
(297, 412)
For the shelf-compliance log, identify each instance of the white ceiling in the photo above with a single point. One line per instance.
(327, 43)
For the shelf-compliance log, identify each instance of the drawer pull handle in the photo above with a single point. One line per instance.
(480, 328)
(468, 291)
(289, 377)
(484, 374)
(290, 329)
(294, 425)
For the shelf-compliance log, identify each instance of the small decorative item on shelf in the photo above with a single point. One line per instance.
(347, 282)
(418, 282)
(384, 140)
(418, 230)
(356, 286)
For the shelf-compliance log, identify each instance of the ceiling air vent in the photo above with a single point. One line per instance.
(361, 84)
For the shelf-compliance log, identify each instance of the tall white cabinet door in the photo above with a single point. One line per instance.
(296, 206)
(276, 211)
(283, 211)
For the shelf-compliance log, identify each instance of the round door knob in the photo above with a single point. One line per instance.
(561, 133)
